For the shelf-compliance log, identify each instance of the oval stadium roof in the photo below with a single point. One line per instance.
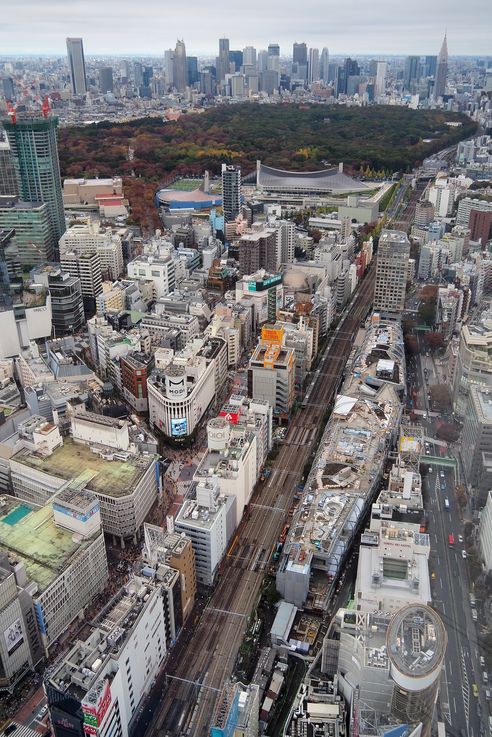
(325, 180)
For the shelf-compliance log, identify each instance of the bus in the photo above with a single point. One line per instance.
(441, 729)
(451, 539)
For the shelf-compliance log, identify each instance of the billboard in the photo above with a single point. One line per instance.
(179, 427)
(272, 335)
(259, 286)
(231, 417)
(13, 636)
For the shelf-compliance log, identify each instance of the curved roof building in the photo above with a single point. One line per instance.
(324, 181)
(182, 200)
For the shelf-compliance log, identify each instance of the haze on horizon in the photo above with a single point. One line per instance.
(119, 27)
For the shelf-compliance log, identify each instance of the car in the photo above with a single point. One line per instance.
(442, 475)
(487, 694)
(460, 538)
(430, 469)
(475, 690)
(474, 614)
(482, 661)
(433, 574)
(463, 554)
(43, 710)
(427, 452)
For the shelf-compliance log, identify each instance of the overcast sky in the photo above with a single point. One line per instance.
(119, 27)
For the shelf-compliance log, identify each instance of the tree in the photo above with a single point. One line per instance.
(460, 495)
(411, 344)
(440, 397)
(427, 312)
(434, 340)
(428, 293)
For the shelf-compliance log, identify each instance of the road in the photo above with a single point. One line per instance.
(206, 659)
(406, 218)
(459, 708)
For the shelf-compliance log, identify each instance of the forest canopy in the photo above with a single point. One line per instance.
(287, 136)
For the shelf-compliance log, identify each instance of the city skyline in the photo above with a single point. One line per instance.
(31, 28)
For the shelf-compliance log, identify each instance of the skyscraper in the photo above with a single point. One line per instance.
(169, 66)
(76, 62)
(32, 139)
(222, 63)
(231, 192)
(249, 56)
(273, 50)
(8, 179)
(380, 78)
(106, 79)
(313, 69)
(299, 54)
(324, 66)
(192, 68)
(412, 69)
(180, 70)
(236, 58)
(391, 273)
(441, 71)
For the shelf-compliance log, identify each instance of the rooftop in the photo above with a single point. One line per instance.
(116, 477)
(325, 180)
(30, 536)
(416, 640)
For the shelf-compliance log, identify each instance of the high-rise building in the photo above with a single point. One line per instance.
(137, 74)
(324, 66)
(231, 192)
(391, 272)
(222, 62)
(106, 79)
(441, 70)
(7, 89)
(8, 180)
(273, 50)
(180, 71)
(249, 56)
(33, 242)
(236, 59)
(76, 62)
(430, 66)
(380, 78)
(299, 54)
(34, 149)
(313, 68)
(192, 69)
(262, 60)
(169, 66)
(67, 305)
(412, 69)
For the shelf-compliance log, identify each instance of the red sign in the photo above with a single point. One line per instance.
(89, 729)
(104, 703)
(231, 417)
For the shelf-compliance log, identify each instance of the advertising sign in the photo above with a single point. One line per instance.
(179, 427)
(13, 636)
(231, 417)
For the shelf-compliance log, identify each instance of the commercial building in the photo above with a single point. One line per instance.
(89, 239)
(160, 269)
(231, 459)
(236, 711)
(255, 416)
(231, 192)
(8, 179)
(346, 472)
(441, 71)
(67, 305)
(485, 534)
(391, 273)
(263, 290)
(86, 192)
(476, 441)
(465, 207)
(208, 518)
(388, 665)
(450, 307)
(26, 320)
(271, 372)
(34, 149)
(33, 241)
(100, 456)
(259, 250)
(97, 687)
(473, 361)
(87, 268)
(180, 393)
(76, 64)
(58, 556)
(135, 369)
(18, 646)
(362, 211)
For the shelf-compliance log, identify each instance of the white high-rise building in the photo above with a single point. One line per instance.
(231, 191)
(76, 63)
(313, 66)
(90, 238)
(324, 72)
(380, 81)
(249, 56)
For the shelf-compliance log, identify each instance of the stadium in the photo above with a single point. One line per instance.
(187, 194)
(324, 181)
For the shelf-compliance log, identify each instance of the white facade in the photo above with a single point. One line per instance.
(17, 330)
(485, 533)
(160, 270)
(179, 396)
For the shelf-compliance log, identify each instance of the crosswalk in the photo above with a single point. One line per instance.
(465, 686)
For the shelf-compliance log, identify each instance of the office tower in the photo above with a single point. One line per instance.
(299, 54)
(34, 149)
(207, 83)
(222, 63)
(137, 74)
(380, 80)
(76, 62)
(67, 306)
(391, 272)
(412, 68)
(231, 192)
(33, 242)
(180, 71)
(7, 88)
(148, 73)
(262, 60)
(313, 68)
(430, 66)
(236, 59)
(269, 80)
(441, 70)
(324, 66)
(106, 79)
(8, 180)
(87, 267)
(125, 72)
(249, 56)
(273, 50)
(169, 66)
(352, 68)
(192, 69)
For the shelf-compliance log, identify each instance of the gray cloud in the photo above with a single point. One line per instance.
(149, 26)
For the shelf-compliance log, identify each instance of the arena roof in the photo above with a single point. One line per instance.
(325, 180)
(195, 199)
